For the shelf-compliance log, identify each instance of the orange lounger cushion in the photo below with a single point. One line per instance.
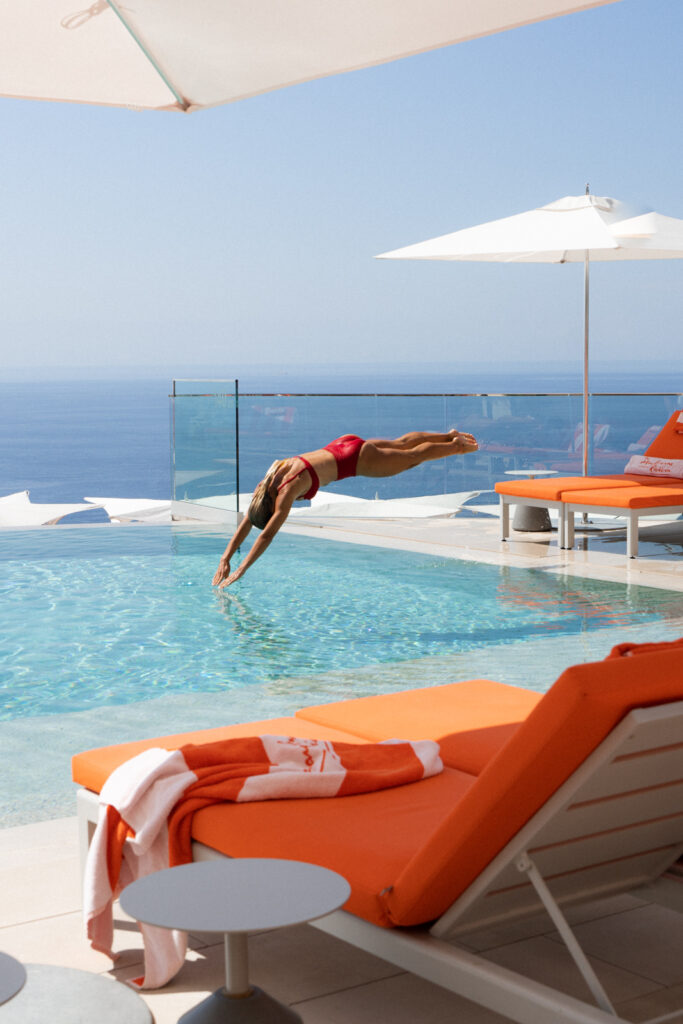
(369, 839)
(669, 493)
(472, 720)
(668, 443)
(576, 714)
(92, 767)
(557, 488)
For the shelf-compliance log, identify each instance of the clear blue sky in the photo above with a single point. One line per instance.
(247, 233)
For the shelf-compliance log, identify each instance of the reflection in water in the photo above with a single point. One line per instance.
(559, 600)
(266, 642)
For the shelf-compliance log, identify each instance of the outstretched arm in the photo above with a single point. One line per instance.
(239, 536)
(282, 508)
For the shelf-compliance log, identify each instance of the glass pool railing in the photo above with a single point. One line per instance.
(223, 440)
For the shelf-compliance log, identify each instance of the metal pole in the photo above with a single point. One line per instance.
(180, 99)
(586, 293)
(586, 290)
(172, 426)
(237, 447)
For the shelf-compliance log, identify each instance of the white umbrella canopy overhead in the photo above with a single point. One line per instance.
(189, 54)
(576, 229)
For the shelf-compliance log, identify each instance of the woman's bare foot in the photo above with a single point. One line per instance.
(464, 442)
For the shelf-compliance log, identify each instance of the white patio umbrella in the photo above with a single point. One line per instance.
(188, 54)
(18, 510)
(126, 510)
(576, 229)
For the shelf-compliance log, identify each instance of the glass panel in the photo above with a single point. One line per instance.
(625, 425)
(204, 443)
(515, 432)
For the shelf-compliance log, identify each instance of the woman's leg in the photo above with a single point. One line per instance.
(376, 460)
(408, 441)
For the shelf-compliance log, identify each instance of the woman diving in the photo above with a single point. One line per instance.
(299, 477)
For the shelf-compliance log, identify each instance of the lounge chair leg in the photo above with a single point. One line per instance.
(562, 526)
(632, 536)
(569, 528)
(504, 519)
(525, 864)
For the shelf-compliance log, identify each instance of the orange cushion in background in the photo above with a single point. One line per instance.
(472, 720)
(661, 494)
(576, 714)
(552, 489)
(91, 768)
(668, 443)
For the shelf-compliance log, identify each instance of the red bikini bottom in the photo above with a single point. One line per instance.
(346, 450)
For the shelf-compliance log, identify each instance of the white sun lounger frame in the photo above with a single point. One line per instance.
(615, 825)
(506, 500)
(567, 510)
(631, 515)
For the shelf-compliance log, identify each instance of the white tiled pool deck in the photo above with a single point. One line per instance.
(635, 945)
(324, 979)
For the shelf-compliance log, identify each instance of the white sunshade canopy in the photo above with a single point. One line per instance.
(189, 54)
(561, 232)
(18, 510)
(124, 510)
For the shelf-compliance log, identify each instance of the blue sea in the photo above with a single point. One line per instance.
(64, 439)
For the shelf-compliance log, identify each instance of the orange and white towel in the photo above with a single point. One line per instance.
(651, 465)
(147, 804)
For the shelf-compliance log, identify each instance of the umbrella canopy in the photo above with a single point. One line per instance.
(561, 232)
(18, 510)
(124, 510)
(576, 229)
(181, 55)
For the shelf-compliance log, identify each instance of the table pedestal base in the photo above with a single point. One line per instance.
(531, 519)
(256, 1008)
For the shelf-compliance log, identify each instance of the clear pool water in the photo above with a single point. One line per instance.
(99, 616)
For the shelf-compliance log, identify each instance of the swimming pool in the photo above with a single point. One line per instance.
(101, 616)
(112, 633)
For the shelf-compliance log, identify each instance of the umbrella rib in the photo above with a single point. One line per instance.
(183, 103)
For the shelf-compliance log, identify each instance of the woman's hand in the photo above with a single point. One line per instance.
(232, 578)
(222, 571)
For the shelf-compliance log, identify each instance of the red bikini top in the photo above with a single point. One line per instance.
(315, 482)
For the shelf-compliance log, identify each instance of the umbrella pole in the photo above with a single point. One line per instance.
(586, 293)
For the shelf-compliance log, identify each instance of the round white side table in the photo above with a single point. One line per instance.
(12, 977)
(63, 995)
(531, 518)
(234, 897)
